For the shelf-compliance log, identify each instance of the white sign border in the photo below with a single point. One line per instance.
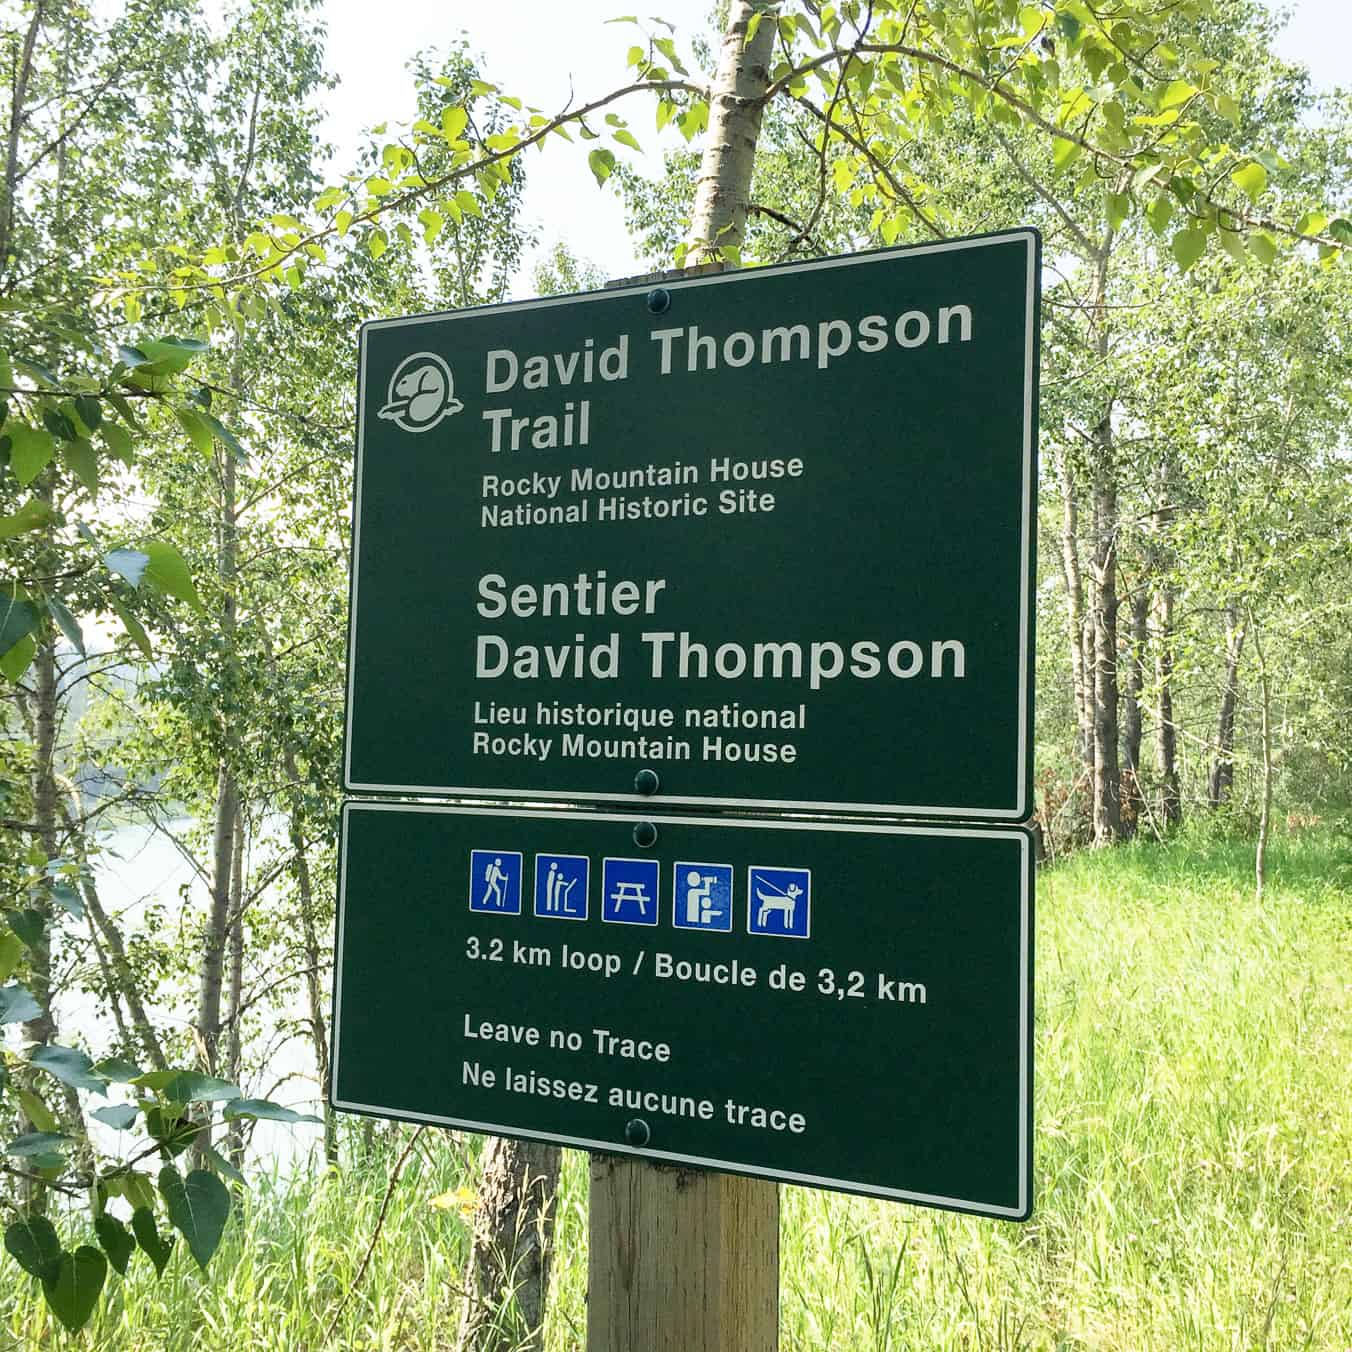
(1018, 1213)
(1021, 810)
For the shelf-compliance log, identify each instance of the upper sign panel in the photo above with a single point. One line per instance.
(767, 533)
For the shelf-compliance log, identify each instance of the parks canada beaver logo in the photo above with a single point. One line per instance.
(421, 393)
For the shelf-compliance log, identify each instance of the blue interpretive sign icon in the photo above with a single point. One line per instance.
(561, 886)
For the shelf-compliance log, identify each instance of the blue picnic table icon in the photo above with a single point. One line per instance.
(629, 891)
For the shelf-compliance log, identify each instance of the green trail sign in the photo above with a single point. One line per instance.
(768, 534)
(842, 1006)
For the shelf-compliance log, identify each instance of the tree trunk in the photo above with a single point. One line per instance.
(507, 1277)
(1107, 778)
(43, 1028)
(23, 73)
(723, 188)
(1075, 617)
(1107, 775)
(234, 1041)
(112, 950)
(315, 991)
(1133, 799)
(1265, 812)
(1166, 734)
(1223, 767)
(214, 934)
(314, 988)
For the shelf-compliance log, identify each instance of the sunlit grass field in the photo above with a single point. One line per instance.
(1193, 1164)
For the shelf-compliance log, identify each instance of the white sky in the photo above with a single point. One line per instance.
(543, 50)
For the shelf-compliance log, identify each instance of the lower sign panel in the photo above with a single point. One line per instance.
(839, 1006)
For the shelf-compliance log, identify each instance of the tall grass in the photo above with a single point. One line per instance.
(1193, 1163)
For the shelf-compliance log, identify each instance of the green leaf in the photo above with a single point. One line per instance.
(155, 1080)
(119, 1116)
(36, 1143)
(1233, 244)
(28, 924)
(17, 1005)
(1176, 94)
(36, 371)
(626, 138)
(33, 1243)
(1251, 179)
(115, 1241)
(128, 563)
(224, 435)
(89, 410)
(118, 440)
(173, 1130)
(1227, 108)
(1069, 25)
(668, 49)
(33, 515)
(18, 659)
(19, 617)
(266, 1111)
(601, 161)
(187, 1086)
(30, 450)
(167, 571)
(134, 628)
(58, 424)
(11, 950)
(148, 1237)
(115, 1069)
(1064, 153)
(223, 1166)
(37, 1112)
(139, 1190)
(433, 223)
(1263, 247)
(70, 1066)
(198, 1207)
(67, 897)
(71, 629)
(83, 462)
(1117, 206)
(198, 432)
(377, 242)
(1187, 247)
(74, 1290)
(453, 122)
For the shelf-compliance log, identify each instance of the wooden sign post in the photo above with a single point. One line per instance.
(681, 1260)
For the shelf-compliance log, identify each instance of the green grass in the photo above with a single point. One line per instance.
(1194, 1132)
(1194, 1164)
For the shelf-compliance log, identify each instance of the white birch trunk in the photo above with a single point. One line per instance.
(723, 188)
